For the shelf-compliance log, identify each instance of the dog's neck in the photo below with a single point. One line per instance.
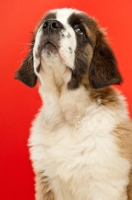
(71, 104)
(56, 95)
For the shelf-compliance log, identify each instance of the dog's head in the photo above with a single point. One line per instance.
(75, 40)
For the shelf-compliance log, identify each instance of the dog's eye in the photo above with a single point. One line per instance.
(79, 29)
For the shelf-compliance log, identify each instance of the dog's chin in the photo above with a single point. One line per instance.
(49, 55)
(50, 48)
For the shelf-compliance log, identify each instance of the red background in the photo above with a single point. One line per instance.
(18, 103)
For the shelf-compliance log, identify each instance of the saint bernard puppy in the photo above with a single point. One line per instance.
(81, 139)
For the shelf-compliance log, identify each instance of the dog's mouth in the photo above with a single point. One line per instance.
(50, 47)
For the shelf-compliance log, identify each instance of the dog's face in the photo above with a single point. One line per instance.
(71, 39)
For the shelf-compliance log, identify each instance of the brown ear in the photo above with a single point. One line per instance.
(26, 71)
(103, 70)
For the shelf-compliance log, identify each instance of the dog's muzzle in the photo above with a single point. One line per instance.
(51, 37)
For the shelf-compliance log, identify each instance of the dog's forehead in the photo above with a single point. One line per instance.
(62, 15)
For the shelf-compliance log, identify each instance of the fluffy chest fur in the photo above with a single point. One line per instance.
(75, 147)
(80, 141)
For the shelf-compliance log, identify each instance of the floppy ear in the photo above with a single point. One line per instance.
(26, 71)
(103, 70)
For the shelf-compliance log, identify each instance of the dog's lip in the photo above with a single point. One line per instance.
(50, 42)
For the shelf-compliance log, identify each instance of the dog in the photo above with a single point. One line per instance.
(81, 140)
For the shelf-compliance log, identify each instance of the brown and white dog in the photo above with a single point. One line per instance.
(81, 139)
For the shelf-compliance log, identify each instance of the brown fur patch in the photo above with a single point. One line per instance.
(85, 81)
(123, 134)
(106, 96)
(43, 189)
(91, 31)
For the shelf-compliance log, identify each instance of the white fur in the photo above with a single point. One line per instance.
(72, 140)
(62, 16)
(82, 155)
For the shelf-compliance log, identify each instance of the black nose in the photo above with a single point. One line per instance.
(52, 25)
